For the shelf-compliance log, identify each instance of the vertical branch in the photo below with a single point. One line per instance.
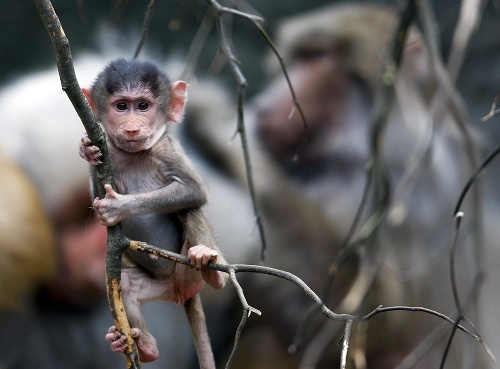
(473, 178)
(470, 13)
(296, 104)
(447, 96)
(242, 84)
(247, 309)
(116, 242)
(382, 109)
(345, 344)
(454, 288)
(377, 178)
(376, 175)
(193, 54)
(240, 78)
(145, 27)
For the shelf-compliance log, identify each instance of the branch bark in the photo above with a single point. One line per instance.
(116, 242)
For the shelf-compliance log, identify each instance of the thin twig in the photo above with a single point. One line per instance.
(449, 342)
(376, 177)
(345, 344)
(247, 310)
(296, 105)
(454, 289)
(193, 54)
(222, 9)
(448, 97)
(245, 268)
(242, 83)
(493, 154)
(454, 286)
(145, 27)
(234, 63)
(470, 13)
(493, 111)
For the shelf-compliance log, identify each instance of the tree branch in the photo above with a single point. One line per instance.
(244, 268)
(242, 84)
(145, 27)
(116, 242)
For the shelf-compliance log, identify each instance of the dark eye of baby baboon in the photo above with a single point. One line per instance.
(143, 105)
(121, 105)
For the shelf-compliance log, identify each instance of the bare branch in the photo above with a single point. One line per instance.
(116, 243)
(222, 9)
(450, 340)
(345, 344)
(376, 177)
(493, 112)
(145, 27)
(240, 78)
(244, 268)
(193, 54)
(242, 84)
(470, 13)
(296, 104)
(247, 310)
(493, 154)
